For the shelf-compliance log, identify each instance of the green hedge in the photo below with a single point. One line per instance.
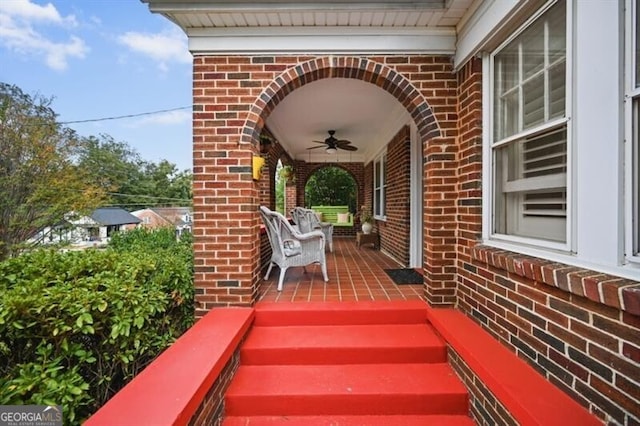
(75, 327)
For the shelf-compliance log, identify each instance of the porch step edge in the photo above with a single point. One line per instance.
(343, 344)
(355, 389)
(341, 313)
(365, 420)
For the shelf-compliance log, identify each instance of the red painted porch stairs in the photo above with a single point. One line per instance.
(344, 364)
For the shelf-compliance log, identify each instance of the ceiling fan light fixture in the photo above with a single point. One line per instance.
(331, 150)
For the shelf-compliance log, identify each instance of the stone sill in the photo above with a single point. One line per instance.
(602, 288)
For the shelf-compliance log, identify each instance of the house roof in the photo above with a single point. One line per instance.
(107, 216)
(173, 214)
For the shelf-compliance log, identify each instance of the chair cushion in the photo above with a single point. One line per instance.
(343, 217)
(291, 248)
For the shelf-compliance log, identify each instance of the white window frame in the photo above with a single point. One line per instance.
(632, 137)
(381, 213)
(491, 147)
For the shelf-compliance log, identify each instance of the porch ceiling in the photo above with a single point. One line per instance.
(359, 112)
(328, 13)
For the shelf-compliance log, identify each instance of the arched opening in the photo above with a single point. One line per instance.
(330, 186)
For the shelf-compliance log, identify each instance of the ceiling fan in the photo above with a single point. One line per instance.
(332, 145)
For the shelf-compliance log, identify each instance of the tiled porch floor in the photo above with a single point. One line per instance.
(355, 274)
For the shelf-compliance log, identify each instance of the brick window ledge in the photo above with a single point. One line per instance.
(606, 289)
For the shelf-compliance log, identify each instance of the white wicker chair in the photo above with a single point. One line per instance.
(290, 247)
(307, 221)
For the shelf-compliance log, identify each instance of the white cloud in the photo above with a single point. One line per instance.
(18, 20)
(163, 48)
(31, 12)
(168, 118)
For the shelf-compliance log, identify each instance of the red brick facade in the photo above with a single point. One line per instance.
(232, 98)
(577, 327)
(571, 324)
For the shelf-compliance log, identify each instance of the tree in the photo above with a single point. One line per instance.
(39, 182)
(330, 186)
(131, 182)
(167, 183)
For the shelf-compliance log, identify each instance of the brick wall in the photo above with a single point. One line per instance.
(484, 407)
(394, 232)
(570, 324)
(211, 409)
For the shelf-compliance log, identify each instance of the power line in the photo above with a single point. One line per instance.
(146, 196)
(118, 117)
(156, 204)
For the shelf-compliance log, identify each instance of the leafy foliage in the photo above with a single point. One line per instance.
(130, 181)
(331, 186)
(76, 326)
(39, 183)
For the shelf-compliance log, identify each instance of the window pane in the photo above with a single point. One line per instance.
(545, 155)
(557, 33)
(637, 42)
(530, 182)
(557, 93)
(529, 78)
(507, 111)
(533, 48)
(533, 103)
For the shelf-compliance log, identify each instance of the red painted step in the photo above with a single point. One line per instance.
(344, 364)
(410, 420)
(341, 313)
(369, 389)
(345, 344)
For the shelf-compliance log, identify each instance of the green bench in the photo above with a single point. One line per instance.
(330, 214)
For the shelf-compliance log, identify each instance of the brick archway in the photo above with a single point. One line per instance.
(363, 69)
(234, 95)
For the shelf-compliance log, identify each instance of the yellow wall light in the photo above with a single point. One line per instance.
(258, 162)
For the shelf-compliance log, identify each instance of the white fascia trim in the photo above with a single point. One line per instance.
(235, 6)
(306, 40)
(486, 21)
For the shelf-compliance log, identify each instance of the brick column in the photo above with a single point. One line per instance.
(226, 224)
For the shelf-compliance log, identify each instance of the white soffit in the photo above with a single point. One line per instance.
(241, 26)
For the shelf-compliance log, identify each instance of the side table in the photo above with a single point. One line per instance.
(371, 238)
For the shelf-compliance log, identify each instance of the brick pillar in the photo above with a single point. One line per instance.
(225, 196)
(440, 188)
(290, 197)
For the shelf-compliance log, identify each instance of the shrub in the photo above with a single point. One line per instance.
(77, 326)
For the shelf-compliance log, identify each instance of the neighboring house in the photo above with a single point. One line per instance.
(78, 230)
(179, 218)
(507, 164)
(107, 220)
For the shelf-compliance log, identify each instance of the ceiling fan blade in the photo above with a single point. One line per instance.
(316, 147)
(343, 142)
(347, 147)
(322, 142)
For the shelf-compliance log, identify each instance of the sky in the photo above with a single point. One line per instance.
(100, 59)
